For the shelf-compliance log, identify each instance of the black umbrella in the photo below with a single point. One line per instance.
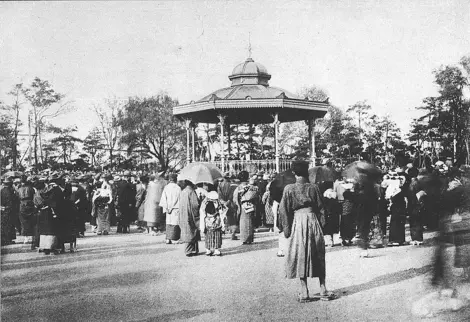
(320, 174)
(279, 183)
(362, 172)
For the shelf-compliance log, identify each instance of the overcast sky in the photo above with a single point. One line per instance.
(380, 51)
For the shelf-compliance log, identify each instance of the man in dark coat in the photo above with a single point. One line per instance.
(8, 207)
(79, 198)
(125, 202)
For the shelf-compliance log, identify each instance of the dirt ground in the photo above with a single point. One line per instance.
(136, 277)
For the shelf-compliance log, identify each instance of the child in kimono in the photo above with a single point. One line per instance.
(213, 214)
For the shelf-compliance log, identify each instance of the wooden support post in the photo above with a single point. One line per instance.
(311, 133)
(187, 125)
(193, 133)
(222, 147)
(276, 140)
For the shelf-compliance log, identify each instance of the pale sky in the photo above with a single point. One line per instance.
(380, 51)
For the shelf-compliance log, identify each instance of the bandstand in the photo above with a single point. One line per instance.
(250, 100)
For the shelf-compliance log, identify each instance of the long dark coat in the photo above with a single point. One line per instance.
(49, 222)
(27, 210)
(9, 206)
(189, 215)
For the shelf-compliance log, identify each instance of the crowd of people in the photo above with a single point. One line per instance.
(308, 208)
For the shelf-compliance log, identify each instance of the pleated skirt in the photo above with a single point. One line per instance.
(213, 239)
(306, 251)
(173, 232)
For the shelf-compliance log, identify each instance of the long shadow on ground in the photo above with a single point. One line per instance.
(384, 280)
(50, 260)
(183, 314)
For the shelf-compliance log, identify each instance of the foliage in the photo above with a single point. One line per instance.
(46, 104)
(148, 125)
(447, 116)
(108, 118)
(94, 146)
(65, 140)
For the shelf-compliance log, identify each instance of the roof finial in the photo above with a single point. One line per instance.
(249, 45)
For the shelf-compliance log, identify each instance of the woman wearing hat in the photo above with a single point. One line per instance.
(301, 213)
(212, 214)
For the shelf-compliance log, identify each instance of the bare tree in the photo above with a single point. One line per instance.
(109, 124)
(46, 104)
(14, 109)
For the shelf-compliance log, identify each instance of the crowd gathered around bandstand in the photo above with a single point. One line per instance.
(308, 209)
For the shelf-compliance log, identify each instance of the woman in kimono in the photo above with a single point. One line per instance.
(245, 197)
(170, 203)
(102, 200)
(189, 219)
(153, 213)
(27, 210)
(141, 193)
(212, 219)
(267, 200)
(225, 191)
(301, 213)
(51, 208)
(398, 214)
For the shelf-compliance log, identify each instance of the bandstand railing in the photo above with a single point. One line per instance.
(253, 166)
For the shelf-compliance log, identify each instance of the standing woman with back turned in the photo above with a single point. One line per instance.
(301, 214)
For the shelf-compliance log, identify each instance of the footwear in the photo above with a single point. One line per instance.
(280, 253)
(234, 238)
(217, 253)
(99, 233)
(303, 299)
(208, 253)
(364, 254)
(419, 243)
(328, 296)
(105, 232)
(168, 242)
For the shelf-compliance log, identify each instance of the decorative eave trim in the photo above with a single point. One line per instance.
(252, 103)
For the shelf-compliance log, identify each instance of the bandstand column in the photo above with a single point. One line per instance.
(311, 133)
(193, 133)
(222, 155)
(187, 126)
(276, 139)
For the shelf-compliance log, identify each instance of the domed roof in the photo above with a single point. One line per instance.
(250, 72)
(249, 66)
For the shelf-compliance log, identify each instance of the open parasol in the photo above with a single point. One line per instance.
(14, 174)
(200, 172)
(362, 171)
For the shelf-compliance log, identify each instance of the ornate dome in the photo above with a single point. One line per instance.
(250, 73)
